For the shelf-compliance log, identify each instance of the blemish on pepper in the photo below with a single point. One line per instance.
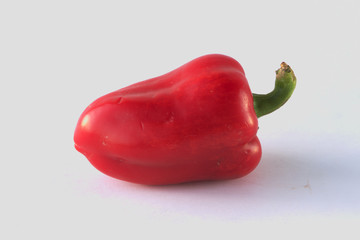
(142, 125)
(171, 118)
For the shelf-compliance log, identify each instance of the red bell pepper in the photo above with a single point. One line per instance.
(197, 122)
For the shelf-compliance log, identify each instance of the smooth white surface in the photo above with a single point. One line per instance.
(58, 56)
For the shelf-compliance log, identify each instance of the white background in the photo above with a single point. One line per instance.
(58, 56)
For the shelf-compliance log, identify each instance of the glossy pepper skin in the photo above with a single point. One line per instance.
(194, 123)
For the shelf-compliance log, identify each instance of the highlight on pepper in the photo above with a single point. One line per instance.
(195, 123)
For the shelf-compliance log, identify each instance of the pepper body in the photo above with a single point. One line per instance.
(194, 123)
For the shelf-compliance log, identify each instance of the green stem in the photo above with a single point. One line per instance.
(284, 86)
